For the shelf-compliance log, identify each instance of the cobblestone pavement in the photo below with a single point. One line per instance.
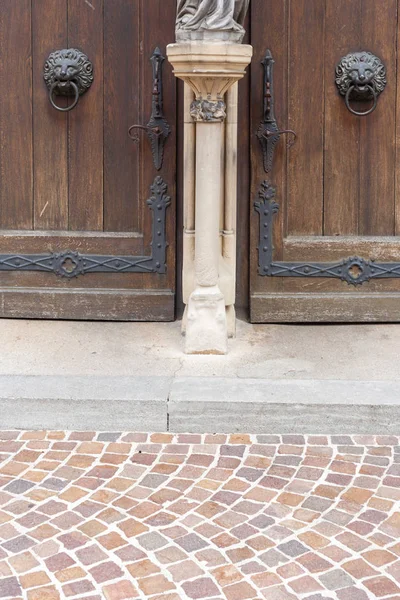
(129, 515)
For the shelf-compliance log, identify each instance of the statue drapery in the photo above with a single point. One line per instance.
(211, 15)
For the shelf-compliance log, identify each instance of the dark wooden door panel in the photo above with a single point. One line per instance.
(75, 181)
(377, 135)
(336, 187)
(341, 169)
(50, 129)
(16, 171)
(122, 100)
(86, 32)
(305, 110)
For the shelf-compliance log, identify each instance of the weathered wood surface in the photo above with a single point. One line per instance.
(16, 168)
(50, 157)
(76, 181)
(325, 308)
(97, 305)
(338, 188)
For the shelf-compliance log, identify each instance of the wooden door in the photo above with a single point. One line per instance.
(336, 226)
(87, 222)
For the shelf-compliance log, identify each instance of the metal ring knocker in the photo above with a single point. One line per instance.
(60, 108)
(361, 76)
(69, 73)
(365, 112)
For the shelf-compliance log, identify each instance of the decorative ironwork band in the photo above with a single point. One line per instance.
(355, 270)
(72, 264)
(157, 128)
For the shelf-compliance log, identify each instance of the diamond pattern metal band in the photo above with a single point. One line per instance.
(355, 270)
(72, 264)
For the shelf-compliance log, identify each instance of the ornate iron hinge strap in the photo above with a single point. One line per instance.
(157, 128)
(268, 132)
(71, 264)
(355, 270)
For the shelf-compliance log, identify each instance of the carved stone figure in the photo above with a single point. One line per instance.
(197, 19)
(208, 110)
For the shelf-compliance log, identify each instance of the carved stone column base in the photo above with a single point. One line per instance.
(231, 320)
(206, 325)
(230, 312)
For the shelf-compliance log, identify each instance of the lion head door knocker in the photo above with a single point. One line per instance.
(361, 76)
(67, 73)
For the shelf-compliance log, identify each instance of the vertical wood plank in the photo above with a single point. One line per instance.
(342, 129)
(306, 116)
(397, 161)
(85, 32)
(121, 110)
(377, 133)
(157, 27)
(269, 30)
(243, 191)
(80, 141)
(49, 19)
(16, 168)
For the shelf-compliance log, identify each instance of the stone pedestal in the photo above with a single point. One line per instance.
(210, 69)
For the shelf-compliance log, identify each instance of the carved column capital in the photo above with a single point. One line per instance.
(210, 69)
(209, 110)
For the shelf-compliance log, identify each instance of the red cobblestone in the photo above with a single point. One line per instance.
(183, 517)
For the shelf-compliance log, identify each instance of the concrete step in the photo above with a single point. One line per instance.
(199, 404)
(84, 402)
(285, 406)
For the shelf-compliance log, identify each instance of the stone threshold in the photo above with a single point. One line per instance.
(198, 404)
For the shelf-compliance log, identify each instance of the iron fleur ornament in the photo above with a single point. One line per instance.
(71, 264)
(354, 270)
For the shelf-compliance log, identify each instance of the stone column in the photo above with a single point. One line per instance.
(210, 69)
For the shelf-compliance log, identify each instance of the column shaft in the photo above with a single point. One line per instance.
(208, 192)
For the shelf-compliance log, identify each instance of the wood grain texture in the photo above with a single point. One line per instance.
(306, 114)
(157, 27)
(342, 129)
(122, 77)
(269, 30)
(244, 189)
(38, 242)
(325, 308)
(397, 133)
(69, 152)
(16, 169)
(340, 198)
(327, 249)
(85, 32)
(377, 138)
(50, 127)
(101, 305)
